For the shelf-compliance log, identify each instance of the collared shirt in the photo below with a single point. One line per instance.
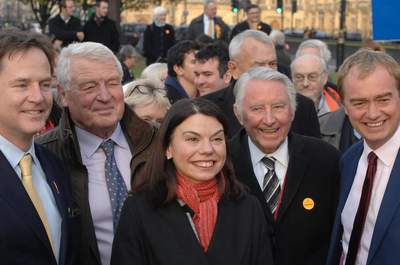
(65, 20)
(386, 157)
(282, 160)
(93, 157)
(14, 156)
(206, 21)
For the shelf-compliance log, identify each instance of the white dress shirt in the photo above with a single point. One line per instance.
(206, 21)
(14, 155)
(93, 157)
(282, 160)
(386, 157)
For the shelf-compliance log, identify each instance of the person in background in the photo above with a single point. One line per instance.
(253, 21)
(127, 57)
(211, 69)
(65, 27)
(148, 98)
(156, 70)
(39, 224)
(209, 24)
(279, 39)
(100, 28)
(368, 43)
(159, 37)
(190, 209)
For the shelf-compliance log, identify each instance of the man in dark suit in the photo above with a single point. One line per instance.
(38, 223)
(367, 224)
(253, 22)
(208, 24)
(296, 178)
(254, 48)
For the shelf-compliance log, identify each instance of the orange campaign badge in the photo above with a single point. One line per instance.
(167, 31)
(217, 27)
(259, 26)
(308, 204)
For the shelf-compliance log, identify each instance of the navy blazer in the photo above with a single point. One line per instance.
(23, 237)
(300, 236)
(385, 244)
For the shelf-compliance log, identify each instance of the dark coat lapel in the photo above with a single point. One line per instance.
(12, 190)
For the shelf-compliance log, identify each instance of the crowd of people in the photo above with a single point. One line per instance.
(217, 154)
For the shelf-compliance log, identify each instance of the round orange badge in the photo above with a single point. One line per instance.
(259, 26)
(167, 31)
(308, 203)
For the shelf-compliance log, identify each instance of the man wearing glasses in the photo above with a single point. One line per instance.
(101, 141)
(309, 75)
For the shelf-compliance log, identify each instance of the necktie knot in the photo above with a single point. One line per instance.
(108, 147)
(26, 165)
(372, 158)
(269, 162)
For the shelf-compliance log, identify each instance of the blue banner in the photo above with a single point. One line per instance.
(385, 20)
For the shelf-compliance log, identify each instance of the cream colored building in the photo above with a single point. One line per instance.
(323, 15)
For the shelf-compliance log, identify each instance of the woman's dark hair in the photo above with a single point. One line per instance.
(158, 179)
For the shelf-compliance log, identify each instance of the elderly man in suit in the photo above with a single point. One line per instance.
(208, 24)
(253, 48)
(100, 139)
(39, 224)
(296, 178)
(367, 223)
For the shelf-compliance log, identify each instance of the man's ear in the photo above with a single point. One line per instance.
(235, 110)
(233, 69)
(178, 70)
(227, 77)
(61, 93)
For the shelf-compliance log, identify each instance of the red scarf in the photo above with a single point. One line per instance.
(202, 199)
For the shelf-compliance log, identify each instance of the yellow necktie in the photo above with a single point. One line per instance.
(26, 169)
(210, 28)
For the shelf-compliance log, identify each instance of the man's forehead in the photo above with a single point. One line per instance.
(307, 64)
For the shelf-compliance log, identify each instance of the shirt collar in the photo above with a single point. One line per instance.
(90, 143)
(14, 154)
(206, 18)
(281, 154)
(387, 153)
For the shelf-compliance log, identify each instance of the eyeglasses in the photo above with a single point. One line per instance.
(311, 77)
(148, 90)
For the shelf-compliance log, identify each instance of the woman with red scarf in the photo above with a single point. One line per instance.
(188, 208)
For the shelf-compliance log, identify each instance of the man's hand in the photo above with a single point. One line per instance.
(80, 35)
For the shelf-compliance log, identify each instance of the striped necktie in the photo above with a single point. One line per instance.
(271, 187)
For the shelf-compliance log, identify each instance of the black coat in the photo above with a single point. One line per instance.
(242, 26)
(301, 236)
(196, 28)
(305, 120)
(163, 235)
(65, 32)
(157, 41)
(106, 33)
(128, 75)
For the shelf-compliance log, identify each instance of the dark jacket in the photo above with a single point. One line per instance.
(65, 32)
(128, 75)
(305, 120)
(163, 235)
(283, 55)
(196, 28)
(301, 235)
(63, 142)
(106, 33)
(242, 26)
(157, 41)
(174, 89)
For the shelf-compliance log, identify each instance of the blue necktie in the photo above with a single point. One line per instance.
(115, 182)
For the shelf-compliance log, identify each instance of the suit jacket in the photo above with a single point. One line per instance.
(196, 28)
(305, 120)
(106, 33)
(23, 237)
(385, 244)
(242, 26)
(164, 235)
(65, 32)
(301, 236)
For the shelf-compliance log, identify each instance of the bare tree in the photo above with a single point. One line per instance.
(43, 10)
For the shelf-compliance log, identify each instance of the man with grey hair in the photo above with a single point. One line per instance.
(279, 39)
(309, 75)
(208, 24)
(249, 49)
(97, 134)
(127, 57)
(295, 178)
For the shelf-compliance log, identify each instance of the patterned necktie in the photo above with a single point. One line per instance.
(362, 211)
(115, 182)
(26, 169)
(271, 187)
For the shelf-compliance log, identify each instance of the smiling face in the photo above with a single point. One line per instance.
(161, 17)
(253, 15)
(26, 96)
(373, 105)
(266, 114)
(197, 151)
(207, 78)
(95, 101)
(253, 53)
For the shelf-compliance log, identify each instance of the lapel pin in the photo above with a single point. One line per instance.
(308, 203)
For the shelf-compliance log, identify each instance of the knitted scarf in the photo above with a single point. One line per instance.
(202, 199)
